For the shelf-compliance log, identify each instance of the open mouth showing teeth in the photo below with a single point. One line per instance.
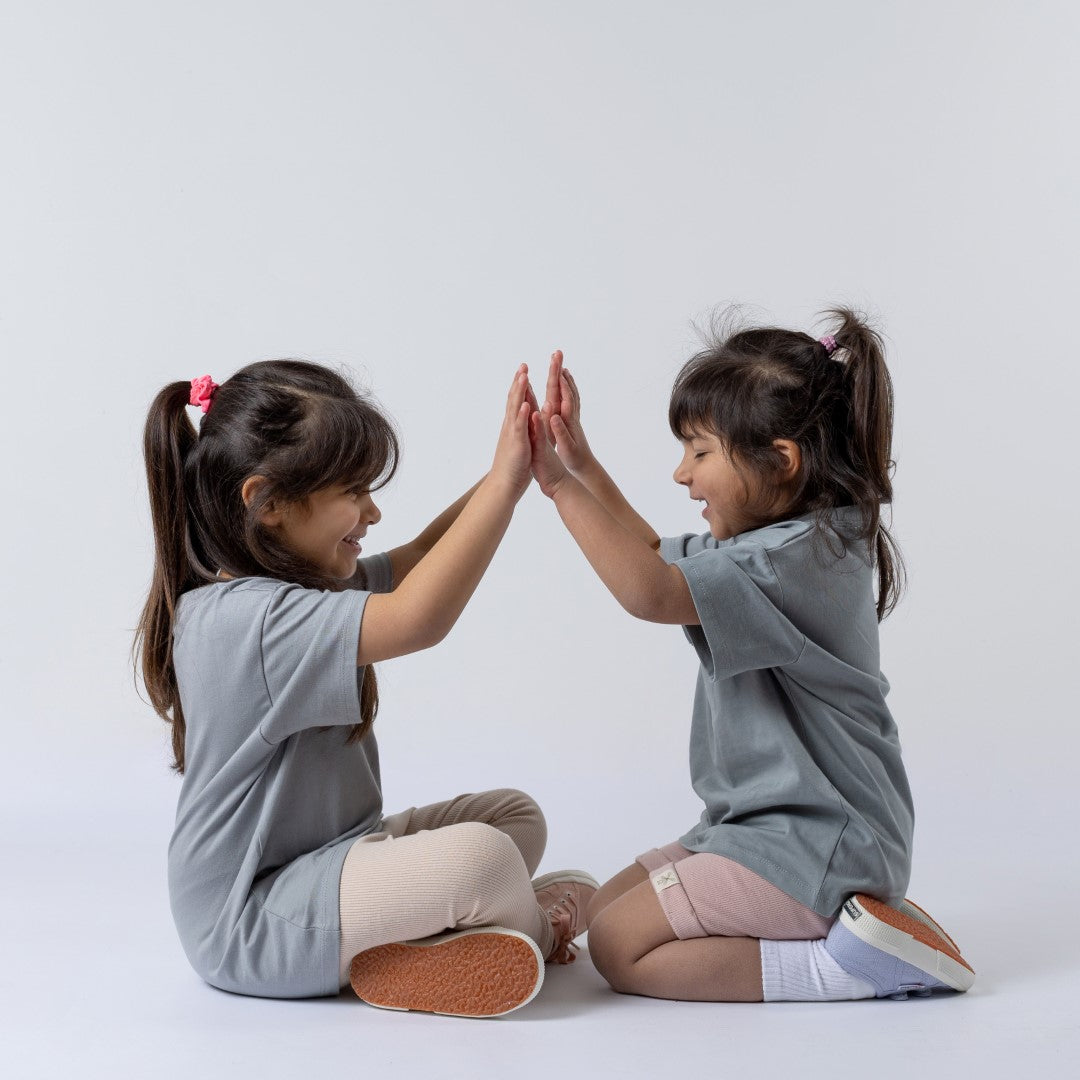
(352, 541)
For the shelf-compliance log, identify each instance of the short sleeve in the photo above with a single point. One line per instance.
(309, 644)
(739, 602)
(373, 574)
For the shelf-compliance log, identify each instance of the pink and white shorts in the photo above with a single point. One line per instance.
(706, 895)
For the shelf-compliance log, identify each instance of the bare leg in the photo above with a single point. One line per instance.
(625, 879)
(634, 947)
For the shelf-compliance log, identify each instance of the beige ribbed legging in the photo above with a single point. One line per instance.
(464, 862)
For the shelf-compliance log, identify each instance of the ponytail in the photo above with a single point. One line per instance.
(869, 393)
(168, 439)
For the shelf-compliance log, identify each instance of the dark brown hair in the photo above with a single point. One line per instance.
(750, 386)
(302, 427)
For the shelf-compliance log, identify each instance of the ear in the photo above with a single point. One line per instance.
(271, 514)
(792, 458)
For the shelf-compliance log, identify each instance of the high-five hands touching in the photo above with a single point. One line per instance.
(513, 453)
(561, 416)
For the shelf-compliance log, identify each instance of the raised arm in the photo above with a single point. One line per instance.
(405, 557)
(562, 423)
(631, 567)
(422, 610)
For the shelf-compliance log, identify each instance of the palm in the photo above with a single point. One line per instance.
(562, 416)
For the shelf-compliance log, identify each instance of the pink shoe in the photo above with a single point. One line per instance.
(564, 896)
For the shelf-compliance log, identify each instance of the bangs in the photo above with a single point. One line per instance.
(698, 402)
(342, 441)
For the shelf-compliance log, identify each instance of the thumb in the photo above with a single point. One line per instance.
(558, 425)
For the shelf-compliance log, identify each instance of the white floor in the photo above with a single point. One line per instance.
(93, 984)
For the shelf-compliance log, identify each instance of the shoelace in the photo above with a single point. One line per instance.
(562, 922)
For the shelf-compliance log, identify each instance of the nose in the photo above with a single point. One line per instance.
(681, 475)
(374, 514)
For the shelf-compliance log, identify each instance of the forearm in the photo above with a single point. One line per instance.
(445, 578)
(434, 532)
(599, 484)
(405, 557)
(625, 561)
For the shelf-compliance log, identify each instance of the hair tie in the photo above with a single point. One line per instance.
(202, 392)
(829, 342)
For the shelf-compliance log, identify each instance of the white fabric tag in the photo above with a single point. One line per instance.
(665, 880)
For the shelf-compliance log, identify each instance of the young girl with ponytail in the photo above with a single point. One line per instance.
(791, 885)
(257, 640)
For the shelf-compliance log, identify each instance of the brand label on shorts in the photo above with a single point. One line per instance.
(853, 910)
(665, 880)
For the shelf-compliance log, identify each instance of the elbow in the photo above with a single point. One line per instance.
(428, 636)
(639, 603)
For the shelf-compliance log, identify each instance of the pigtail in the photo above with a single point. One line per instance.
(869, 396)
(168, 439)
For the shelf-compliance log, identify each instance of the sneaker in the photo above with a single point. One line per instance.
(909, 907)
(564, 896)
(482, 971)
(896, 952)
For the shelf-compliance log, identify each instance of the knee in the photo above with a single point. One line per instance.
(483, 854)
(609, 952)
(518, 805)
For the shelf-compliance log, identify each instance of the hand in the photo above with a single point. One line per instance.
(549, 471)
(513, 453)
(561, 416)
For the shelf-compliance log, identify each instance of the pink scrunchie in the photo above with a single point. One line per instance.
(829, 342)
(202, 392)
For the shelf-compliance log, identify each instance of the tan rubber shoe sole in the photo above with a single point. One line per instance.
(483, 971)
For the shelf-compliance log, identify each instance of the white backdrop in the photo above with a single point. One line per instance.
(428, 194)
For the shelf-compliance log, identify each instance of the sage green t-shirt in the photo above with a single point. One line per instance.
(792, 748)
(270, 804)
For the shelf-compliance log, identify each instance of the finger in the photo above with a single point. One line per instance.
(573, 387)
(570, 404)
(530, 397)
(522, 370)
(561, 431)
(552, 389)
(517, 392)
(536, 434)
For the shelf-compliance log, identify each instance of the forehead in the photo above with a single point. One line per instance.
(695, 433)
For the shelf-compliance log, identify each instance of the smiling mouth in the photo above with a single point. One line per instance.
(352, 541)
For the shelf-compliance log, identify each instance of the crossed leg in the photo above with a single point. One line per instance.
(459, 863)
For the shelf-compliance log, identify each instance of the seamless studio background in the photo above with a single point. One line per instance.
(426, 195)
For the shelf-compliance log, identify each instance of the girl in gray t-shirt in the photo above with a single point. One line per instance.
(285, 877)
(791, 884)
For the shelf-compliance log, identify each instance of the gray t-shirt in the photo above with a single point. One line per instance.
(792, 747)
(270, 804)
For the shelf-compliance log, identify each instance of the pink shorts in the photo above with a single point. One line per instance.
(706, 895)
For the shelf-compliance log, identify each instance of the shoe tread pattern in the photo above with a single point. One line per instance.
(909, 925)
(477, 975)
